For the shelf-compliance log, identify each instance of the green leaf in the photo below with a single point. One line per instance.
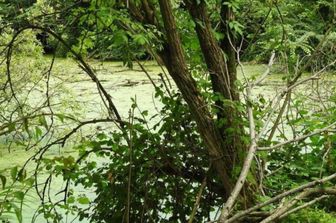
(38, 132)
(19, 195)
(145, 113)
(3, 181)
(22, 174)
(13, 173)
(43, 121)
(60, 117)
(68, 161)
(140, 39)
(18, 213)
(30, 182)
(71, 200)
(83, 200)
(11, 127)
(120, 38)
(25, 125)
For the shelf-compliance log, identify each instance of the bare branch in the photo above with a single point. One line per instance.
(311, 184)
(305, 205)
(267, 71)
(198, 200)
(281, 211)
(246, 166)
(298, 138)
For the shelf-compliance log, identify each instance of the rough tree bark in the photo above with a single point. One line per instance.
(176, 64)
(224, 147)
(222, 68)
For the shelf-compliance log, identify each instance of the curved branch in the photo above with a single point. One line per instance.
(85, 66)
(311, 184)
(281, 211)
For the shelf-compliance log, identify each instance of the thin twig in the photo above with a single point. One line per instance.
(287, 193)
(316, 132)
(280, 211)
(267, 71)
(198, 200)
(304, 206)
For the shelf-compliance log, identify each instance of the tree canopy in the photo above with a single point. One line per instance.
(214, 151)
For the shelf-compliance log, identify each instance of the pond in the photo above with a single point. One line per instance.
(76, 92)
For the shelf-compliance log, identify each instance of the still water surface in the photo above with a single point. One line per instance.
(122, 84)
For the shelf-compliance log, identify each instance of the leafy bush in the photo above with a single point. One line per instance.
(13, 193)
(310, 215)
(160, 168)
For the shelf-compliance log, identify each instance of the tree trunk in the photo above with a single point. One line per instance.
(223, 72)
(222, 69)
(176, 64)
(225, 146)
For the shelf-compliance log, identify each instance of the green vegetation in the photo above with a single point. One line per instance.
(234, 122)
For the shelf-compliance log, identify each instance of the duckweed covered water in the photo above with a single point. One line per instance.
(78, 93)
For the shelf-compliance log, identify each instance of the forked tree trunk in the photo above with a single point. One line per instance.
(222, 69)
(225, 144)
(224, 147)
(176, 64)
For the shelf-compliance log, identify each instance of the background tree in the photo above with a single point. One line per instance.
(212, 143)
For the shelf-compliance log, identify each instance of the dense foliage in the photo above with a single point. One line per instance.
(159, 168)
